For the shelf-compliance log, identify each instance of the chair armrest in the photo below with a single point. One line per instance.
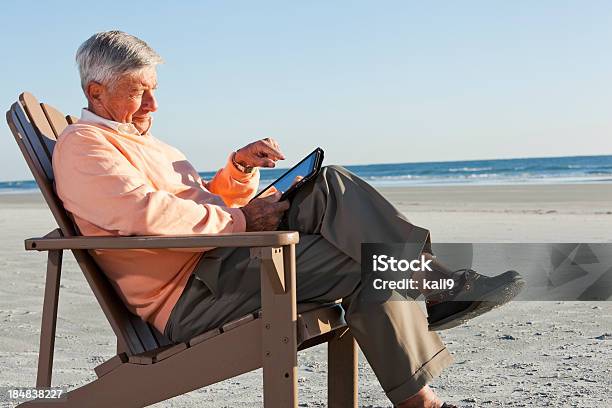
(243, 239)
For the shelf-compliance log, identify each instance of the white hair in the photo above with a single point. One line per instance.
(106, 55)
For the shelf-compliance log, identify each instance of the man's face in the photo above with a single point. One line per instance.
(129, 99)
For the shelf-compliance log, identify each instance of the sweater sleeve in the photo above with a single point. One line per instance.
(98, 183)
(233, 186)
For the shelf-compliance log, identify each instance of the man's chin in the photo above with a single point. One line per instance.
(142, 126)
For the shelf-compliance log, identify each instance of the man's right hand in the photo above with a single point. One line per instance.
(264, 214)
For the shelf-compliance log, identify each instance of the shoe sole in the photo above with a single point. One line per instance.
(492, 300)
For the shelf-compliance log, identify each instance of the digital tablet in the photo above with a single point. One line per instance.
(289, 182)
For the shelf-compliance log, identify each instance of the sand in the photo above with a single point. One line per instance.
(526, 354)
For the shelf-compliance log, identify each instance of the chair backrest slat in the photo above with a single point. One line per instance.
(144, 332)
(26, 142)
(40, 122)
(161, 339)
(56, 119)
(36, 128)
(40, 152)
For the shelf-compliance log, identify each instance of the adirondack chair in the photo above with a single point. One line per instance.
(148, 368)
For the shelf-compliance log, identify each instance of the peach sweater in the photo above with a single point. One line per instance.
(117, 182)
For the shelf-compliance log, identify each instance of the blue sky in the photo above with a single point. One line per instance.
(370, 82)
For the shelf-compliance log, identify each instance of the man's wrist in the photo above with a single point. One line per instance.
(242, 167)
(244, 214)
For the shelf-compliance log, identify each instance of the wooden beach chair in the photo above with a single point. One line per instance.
(148, 368)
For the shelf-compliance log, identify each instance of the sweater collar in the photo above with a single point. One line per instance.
(125, 128)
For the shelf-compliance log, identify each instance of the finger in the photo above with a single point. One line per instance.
(280, 207)
(258, 161)
(270, 153)
(296, 180)
(273, 198)
(278, 149)
(283, 205)
(270, 191)
(276, 223)
(271, 150)
(274, 143)
(265, 162)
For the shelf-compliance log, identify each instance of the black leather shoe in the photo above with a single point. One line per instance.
(472, 295)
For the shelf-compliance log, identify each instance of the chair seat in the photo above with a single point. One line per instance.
(313, 324)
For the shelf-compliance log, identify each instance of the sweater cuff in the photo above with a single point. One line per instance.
(238, 219)
(237, 174)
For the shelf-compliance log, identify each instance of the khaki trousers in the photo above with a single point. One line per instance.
(334, 214)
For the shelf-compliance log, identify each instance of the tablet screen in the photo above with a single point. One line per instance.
(303, 169)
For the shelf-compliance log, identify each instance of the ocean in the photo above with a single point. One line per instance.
(549, 170)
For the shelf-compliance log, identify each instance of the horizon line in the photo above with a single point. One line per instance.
(448, 161)
(397, 163)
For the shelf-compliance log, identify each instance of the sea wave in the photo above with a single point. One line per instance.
(578, 169)
(484, 180)
(464, 169)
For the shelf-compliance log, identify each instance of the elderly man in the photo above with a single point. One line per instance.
(117, 179)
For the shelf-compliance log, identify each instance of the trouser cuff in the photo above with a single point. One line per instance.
(424, 375)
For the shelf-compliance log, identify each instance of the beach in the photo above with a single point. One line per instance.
(525, 354)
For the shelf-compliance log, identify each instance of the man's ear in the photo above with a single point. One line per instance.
(94, 91)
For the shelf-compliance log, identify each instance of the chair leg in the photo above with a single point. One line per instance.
(279, 337)
(49, 319)
(342, 371)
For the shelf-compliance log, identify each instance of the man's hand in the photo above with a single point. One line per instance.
(264, 214)
(262, 153)
(296, 180)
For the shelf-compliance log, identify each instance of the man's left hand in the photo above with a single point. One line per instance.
(262, 153)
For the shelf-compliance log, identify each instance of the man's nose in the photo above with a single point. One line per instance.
(149, 102)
